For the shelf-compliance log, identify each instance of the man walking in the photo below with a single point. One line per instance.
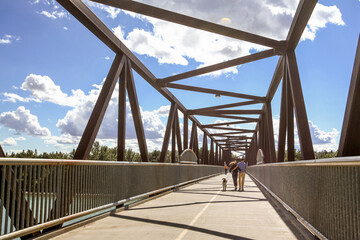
(242, 166)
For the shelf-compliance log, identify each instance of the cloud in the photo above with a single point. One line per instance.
(175, 44)
(54, 14)
(111, 11)
(52, 9)
(321, 140)
(7, 39)
(12, 97)
(76, 119)
(321, 17)
(65, 28)
(12, 141)
(43, 88)
(22, 121)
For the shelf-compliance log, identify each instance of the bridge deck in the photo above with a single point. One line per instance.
(199, 211)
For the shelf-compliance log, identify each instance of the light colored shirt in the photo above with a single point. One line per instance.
(242, 166)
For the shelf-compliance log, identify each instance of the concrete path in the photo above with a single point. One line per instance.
(199, 211)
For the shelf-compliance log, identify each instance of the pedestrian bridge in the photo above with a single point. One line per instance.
(283, 198)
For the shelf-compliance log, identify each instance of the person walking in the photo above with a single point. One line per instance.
(242, 166)
(233, 169)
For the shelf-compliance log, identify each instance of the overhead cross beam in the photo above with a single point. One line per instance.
(219, 66)
(174, 17)
(213, 91)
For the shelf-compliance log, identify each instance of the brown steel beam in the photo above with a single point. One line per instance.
(135, 110)
(299, 106)
(178, 134)
(169, 124)
(186, 131)
(290, 121)
(349, 141)
(2, 153)
(238, 104)
(97, 115)
(246, 111)
(228, 123)
(174, 17)
(212, 157)
(213, 91)
(234, 129)
(270, 132)
(282, 123)
(173, 140)
(225, 134)
(204, 150)
(229, 116)
(122, 114)
(219, 66)
(301, 18)
(192, 136)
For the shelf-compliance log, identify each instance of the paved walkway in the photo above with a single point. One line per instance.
(199, 211)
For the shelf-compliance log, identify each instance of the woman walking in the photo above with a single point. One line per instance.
(233, 169)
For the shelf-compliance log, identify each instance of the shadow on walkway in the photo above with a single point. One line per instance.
(183, 226)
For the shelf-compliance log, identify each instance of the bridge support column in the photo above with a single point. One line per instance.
(299, 105)
(350, 141)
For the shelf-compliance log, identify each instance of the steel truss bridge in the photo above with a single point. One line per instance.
(38, 196)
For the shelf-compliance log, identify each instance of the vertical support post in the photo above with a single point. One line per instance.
(289, 120)
(196, 143)
(299, 105)
(270, 132)
(192, 137)
(349, 141)
(173, 139)
(216, 154)
(282, 122)
(212, 152)
(97, 115)
(167, 132)
(135, 110)
(204, 153)
(122, 114)
(178, 134)
(186, 131)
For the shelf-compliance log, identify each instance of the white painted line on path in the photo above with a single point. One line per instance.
(183, 233)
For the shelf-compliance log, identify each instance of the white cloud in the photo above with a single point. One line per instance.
(65, 28)
(320, 18)
(76, 119)
(54, 14)
(321, 140)
(175, 44)
(7, 39)
(44, 89)
(10, 141)
(12, 97)
(22, 121)
(107, 58)
(111, 11)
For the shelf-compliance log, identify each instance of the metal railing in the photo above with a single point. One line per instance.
(37, 194)
(324, 194)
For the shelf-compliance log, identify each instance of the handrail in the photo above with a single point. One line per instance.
(339, 161)
(49, 162)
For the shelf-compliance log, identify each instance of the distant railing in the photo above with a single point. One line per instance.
(37, 194)
(324, 194)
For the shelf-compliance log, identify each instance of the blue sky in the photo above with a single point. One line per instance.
(52, 67)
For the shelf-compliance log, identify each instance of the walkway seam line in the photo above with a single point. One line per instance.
(183, 233)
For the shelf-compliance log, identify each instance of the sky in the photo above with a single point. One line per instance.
(52, 68)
